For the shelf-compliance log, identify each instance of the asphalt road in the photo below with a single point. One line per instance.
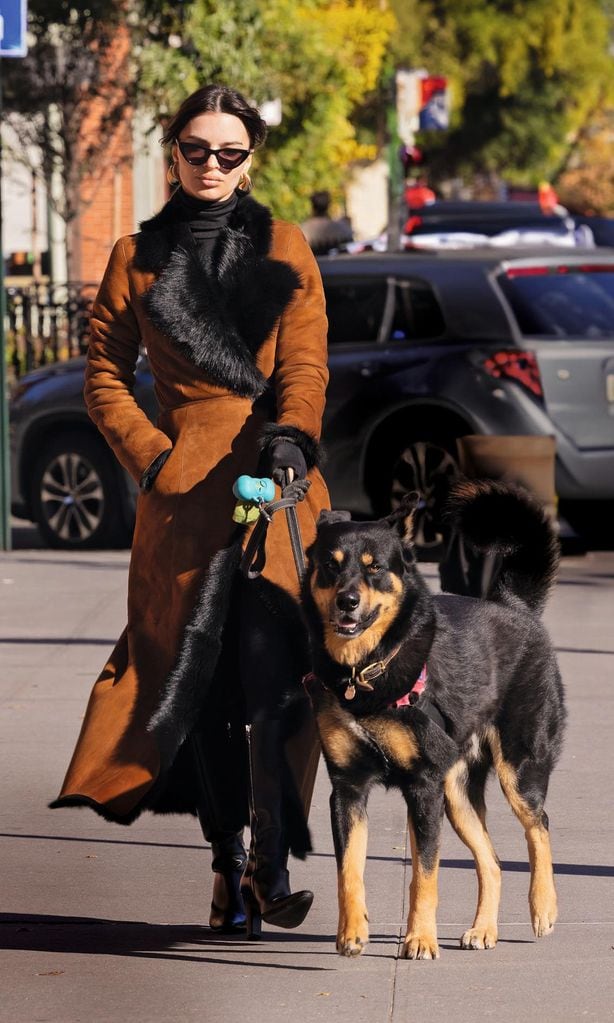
(103, 923)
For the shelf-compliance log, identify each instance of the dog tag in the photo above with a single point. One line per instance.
(350, 692)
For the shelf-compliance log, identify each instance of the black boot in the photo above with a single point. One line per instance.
(221, 814)
(229, 863)
(265, 885)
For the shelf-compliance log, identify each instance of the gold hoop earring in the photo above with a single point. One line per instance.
(245, 183)
(171, 175)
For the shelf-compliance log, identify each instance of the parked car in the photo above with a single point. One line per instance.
(424, 348)
(601, 228)
(469, 224)
(472, 224)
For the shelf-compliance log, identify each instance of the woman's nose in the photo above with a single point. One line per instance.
(211, 157)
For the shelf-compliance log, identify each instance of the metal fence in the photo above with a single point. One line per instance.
(46, 323)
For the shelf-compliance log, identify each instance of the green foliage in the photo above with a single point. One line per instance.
(321, 57)
(50, 93)
(525, 76)
(200, 41)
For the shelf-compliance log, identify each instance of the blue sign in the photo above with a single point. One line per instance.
(13, 24)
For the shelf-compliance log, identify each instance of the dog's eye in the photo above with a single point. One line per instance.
(332, 565)
(373, 568)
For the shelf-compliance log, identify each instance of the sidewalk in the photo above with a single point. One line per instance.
(103, 923)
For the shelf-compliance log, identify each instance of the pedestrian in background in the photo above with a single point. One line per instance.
(229, 305)
(321, 231)
(417, 193)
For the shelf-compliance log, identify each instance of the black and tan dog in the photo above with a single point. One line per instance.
(493, 697)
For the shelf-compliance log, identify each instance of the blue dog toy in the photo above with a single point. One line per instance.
(251, 492)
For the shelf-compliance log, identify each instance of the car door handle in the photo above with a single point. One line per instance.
(609, 386)
(366, 369)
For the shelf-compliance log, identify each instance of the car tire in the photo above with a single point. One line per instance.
(429, 468)
(75, 494)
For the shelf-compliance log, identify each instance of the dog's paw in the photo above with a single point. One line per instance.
(350, 947)
(544, 913)
(479, 937)
(353, 935)
(543, 922)
(420, 946)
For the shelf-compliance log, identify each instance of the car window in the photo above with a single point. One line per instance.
(417, 312)
(356, 311)
(561, 301)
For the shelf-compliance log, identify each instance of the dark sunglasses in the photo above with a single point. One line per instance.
(197, 155)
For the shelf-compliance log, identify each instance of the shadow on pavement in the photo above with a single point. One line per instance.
(512, 866)
(93, 936)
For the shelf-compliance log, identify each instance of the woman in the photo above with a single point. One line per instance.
(230, 307)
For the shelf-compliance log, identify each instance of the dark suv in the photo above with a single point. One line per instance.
(467, 224)
(424, 348)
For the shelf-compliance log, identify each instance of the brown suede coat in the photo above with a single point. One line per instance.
(237, 348)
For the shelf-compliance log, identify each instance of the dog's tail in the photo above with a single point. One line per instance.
(506, 528)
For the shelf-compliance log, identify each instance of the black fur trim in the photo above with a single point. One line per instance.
(174, 791)
(102, 810)
(152, 470)
(312, 451)
(188, 683)
(217, 311)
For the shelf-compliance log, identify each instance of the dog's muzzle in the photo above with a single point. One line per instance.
(350, 624)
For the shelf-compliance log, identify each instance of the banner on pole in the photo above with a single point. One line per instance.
(422, 103)
(13, 24)
(434, 107)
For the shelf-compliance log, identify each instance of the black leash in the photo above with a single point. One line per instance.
(254, 556)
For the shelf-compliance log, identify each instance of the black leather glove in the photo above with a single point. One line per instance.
(283, 454)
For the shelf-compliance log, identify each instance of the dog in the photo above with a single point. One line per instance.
(493, 698)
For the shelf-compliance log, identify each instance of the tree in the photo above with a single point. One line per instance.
(586, 185)
(76, 75)
(92, 60)
(321, 57)
(525, 75)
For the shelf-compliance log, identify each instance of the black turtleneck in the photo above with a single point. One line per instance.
(205, 218)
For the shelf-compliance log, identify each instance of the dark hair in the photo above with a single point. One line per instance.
(320, 202)
(217, 99)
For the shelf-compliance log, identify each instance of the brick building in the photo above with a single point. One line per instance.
(127, 185)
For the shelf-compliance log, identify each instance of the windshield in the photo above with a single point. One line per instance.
(562, 301)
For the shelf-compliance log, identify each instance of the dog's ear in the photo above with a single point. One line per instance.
(402, 518)
(327, 518)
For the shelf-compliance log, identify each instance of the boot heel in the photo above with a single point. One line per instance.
(253, 917)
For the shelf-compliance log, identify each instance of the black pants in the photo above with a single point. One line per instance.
(263, 658)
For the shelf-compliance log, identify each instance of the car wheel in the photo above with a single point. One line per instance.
(430, 469)
(75, 498)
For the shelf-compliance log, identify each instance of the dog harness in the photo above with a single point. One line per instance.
(363, 680)
(416, 691)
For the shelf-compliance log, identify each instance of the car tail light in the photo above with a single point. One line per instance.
(527, 271)
(516, 365)
(543, 271)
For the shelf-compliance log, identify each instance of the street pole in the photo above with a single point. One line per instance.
(395, 178)
(13, 22)
(5, 466)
